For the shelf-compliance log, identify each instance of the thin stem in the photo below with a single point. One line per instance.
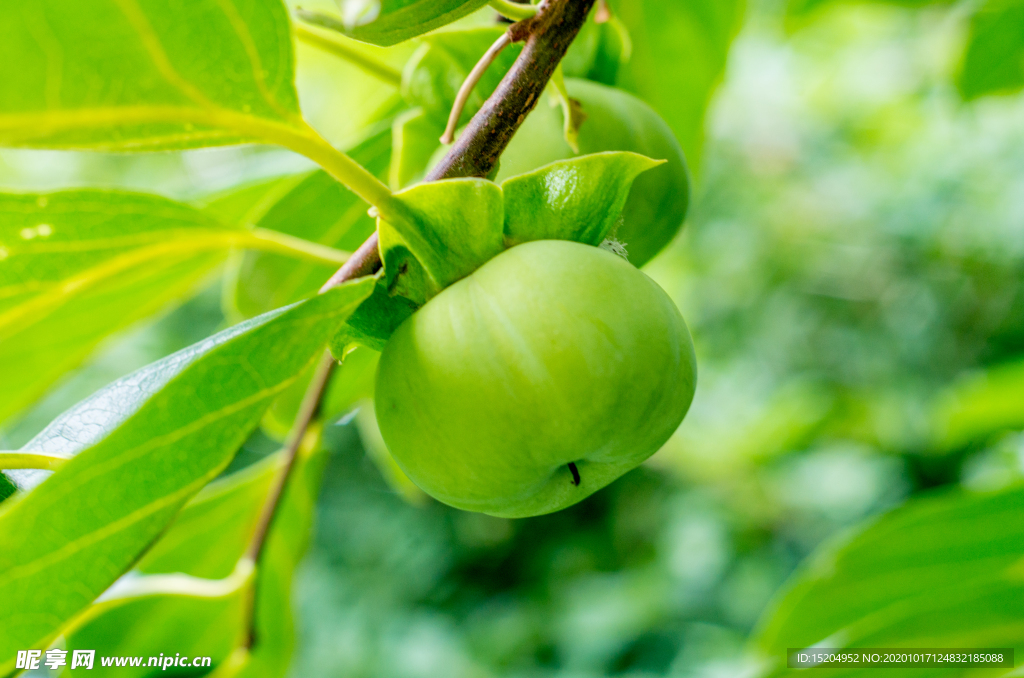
(307, 411)
(547, 36)
(30, 460)
(471, 81)
(282, 243)
(513, 10)
(349, 50)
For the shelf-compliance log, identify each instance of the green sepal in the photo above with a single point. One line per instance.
(579, 199)
(396, 20)
(373, 322)
(457, 226)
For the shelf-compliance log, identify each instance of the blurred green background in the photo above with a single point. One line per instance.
(853, 274)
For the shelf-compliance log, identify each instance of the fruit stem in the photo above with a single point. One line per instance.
(548, 35)
(575, 473)
(471, 81)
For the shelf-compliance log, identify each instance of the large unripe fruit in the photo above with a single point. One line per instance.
(552, 352)
(616, 121)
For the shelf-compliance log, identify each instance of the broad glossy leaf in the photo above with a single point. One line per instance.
(939, 572)
(458, 228)
(434, 75)
(143, 75)
(206, 540)
(76, 266)
(980, 406)
(212, 532)
(694, 33)
(388, 22)
(994, 60)
(579, 199)
(314, 207)
(145, 445)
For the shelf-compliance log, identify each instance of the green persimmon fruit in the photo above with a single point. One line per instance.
(550, 354)
(616, 121)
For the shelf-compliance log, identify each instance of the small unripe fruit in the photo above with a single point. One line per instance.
(616, 121)
(551, 353)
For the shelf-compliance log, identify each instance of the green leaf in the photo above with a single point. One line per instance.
(191, 611)
(146, 444)
(697, 33)
(415, 138)
(579, 199)
(80, 265)
(212, 532)
(195, 610)
(150, 616)
(458, 227)
(314, 207)
(388, 22)
(432, 78)
(980, 406)
(939, 572)
(246, 204)
(994, 60)
(144, 75)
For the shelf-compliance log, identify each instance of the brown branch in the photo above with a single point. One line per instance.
(307, 411)
(364, 261)
(548, 36)
(476, 153)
